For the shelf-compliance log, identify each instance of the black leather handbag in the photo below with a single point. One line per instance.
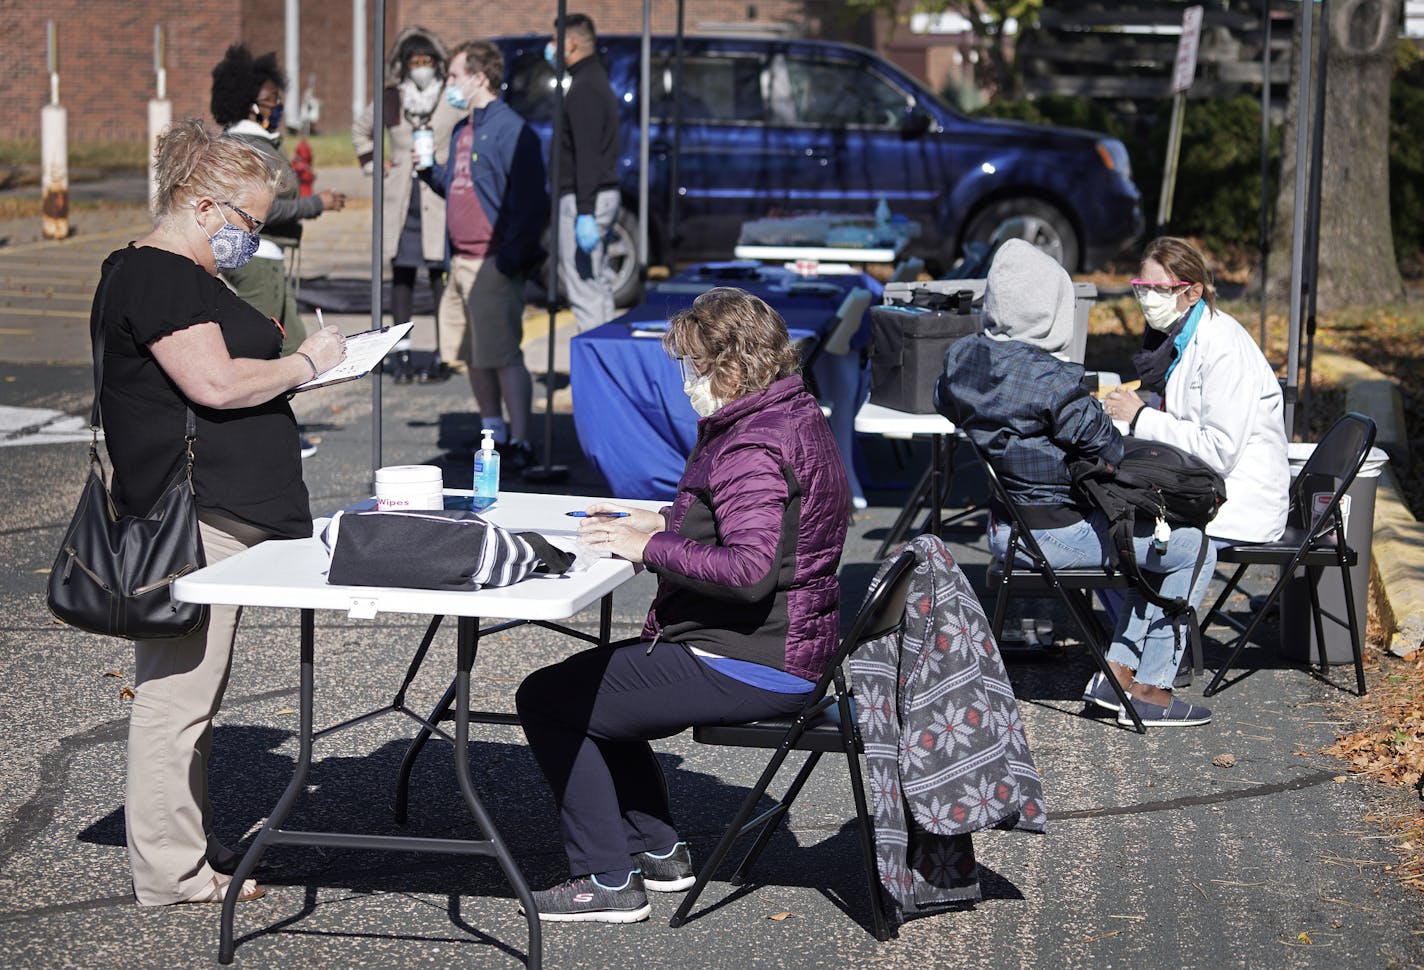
(114, 573)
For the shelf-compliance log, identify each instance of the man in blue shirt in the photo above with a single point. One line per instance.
(495, 207)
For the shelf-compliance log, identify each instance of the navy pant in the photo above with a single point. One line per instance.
(589, 720)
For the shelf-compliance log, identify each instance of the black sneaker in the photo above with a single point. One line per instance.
(586, 900)
(308, 447)
(517, 455)
(667, 874)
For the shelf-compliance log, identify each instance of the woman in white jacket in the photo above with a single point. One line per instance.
(1220, 400)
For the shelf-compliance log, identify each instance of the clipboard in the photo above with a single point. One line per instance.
(363, 352)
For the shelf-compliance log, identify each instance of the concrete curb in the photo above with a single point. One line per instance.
(1398, 536)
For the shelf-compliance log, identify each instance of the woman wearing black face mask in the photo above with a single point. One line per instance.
(413, 216)
(247, 102)
(175, 339)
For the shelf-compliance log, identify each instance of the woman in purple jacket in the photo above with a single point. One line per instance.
(745, 618)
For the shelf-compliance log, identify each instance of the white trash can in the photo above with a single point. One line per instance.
(1357, 506)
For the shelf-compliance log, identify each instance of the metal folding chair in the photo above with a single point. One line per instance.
(1026, 570)
(825, 725)
(1313, 540)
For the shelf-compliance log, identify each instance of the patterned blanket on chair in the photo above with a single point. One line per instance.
(944, 744)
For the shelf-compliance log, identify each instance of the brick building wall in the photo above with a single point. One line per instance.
(106, 47)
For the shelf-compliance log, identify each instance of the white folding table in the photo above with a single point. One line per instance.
(878, 419)
(292, 574)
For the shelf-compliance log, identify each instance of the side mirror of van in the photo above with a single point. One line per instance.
(915, 122)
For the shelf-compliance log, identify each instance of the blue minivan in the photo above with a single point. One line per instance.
(778, 127)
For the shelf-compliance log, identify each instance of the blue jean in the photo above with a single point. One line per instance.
(1143, 639)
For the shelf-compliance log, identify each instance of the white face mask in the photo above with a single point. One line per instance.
(422, 76)
(699, 392)
(1160, 309)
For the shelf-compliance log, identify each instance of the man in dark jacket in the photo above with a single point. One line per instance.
(588, 177)
(493, 186)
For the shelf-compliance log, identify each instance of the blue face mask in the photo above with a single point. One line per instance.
(232, 245)
(455, 96)
(549, 53)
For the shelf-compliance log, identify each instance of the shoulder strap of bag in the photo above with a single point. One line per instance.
(97, 335)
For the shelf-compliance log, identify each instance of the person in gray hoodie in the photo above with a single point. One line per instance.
(1014, 392)
(745, 619)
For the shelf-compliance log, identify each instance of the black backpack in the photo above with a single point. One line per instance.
(1162, 483)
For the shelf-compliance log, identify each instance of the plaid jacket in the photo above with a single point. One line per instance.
(1028, 412)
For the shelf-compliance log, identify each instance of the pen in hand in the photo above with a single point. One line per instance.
(589, 515)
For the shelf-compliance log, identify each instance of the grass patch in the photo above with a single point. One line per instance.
(20, 157)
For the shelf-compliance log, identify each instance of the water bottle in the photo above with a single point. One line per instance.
(423, 140)
(882, 213)
(486, 472)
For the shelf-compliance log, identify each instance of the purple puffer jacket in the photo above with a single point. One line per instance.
(747, 566)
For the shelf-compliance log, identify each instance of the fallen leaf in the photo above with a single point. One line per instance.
(126, 694)
(1303, 938)
(1227, 760)
(782, 916)
(42, 572)
(287, 710)
(111, 673)
(1340, 778)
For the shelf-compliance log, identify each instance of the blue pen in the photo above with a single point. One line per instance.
(589, 515)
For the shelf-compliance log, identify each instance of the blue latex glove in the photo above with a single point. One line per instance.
(586, 233)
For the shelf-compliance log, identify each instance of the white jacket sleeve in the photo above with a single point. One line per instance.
(1209, 417)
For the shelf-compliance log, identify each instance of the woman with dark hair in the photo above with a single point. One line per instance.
(413, 214)
(745, 619)
(176, 340)
(247, 102)
(1219, 398)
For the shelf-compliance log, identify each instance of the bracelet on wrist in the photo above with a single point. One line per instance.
(310, 363)
(1132, 425)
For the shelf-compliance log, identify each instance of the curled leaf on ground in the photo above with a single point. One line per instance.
(1227, 760)
(111, 673)
(126, 694)
(782, 916)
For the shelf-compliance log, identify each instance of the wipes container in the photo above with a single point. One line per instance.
(404, 487)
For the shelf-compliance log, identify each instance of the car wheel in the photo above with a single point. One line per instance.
(623, 258)
(1033, 220)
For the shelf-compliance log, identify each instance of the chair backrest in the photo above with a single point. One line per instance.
(1020, 536)
(1332, 468)
(848, 319)
(882, 611)
(908, 270)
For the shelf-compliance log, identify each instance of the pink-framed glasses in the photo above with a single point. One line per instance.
(1161, 288)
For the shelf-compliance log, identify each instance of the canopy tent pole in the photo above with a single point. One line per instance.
(378, 149)
(1311, 278)
(548, 472)
(645, 88)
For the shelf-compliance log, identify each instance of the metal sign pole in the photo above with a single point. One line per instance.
(1302, 159)
(1310, 279)
(1265, 224)
(1184, 71)
(548, 472)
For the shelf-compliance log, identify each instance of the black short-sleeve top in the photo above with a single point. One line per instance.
(247, 462)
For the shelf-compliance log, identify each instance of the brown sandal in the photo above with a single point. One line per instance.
(217, 889)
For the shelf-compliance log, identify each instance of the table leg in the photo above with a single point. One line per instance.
(468, 637)
(402, 798)
(295, 787)
(906, 516)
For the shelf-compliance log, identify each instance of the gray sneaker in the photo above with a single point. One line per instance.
(586, 900)
(670, 873)
(1177, 713)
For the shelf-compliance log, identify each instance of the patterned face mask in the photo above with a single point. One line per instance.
(232, 245)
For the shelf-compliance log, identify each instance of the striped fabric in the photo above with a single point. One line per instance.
(450, 550)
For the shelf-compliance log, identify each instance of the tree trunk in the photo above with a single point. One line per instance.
(1357, 263)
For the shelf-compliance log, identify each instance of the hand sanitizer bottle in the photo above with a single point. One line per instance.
(486, 472)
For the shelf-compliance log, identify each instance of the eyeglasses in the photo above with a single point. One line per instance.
(253, 225)
(688, 366)
(1143, 287)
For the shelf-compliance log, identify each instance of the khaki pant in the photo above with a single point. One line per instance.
(178, 687)
(482, 313)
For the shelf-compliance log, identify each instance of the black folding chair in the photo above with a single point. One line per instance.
(1312, 540)
(1027, 571)
(826, 724)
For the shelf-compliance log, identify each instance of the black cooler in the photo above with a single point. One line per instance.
(909, 343)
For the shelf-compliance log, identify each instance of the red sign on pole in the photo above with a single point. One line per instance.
(1185, 70)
